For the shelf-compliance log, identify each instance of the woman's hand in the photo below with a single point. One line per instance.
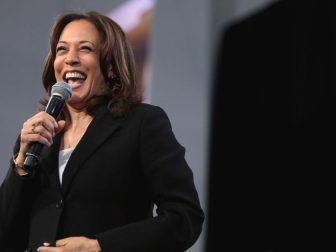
(73, 244)
(41, 128)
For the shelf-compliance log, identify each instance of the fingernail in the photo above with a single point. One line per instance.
(46, 244)
(56, 124)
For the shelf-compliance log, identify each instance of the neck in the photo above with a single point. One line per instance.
(77, 117)
(77, 121)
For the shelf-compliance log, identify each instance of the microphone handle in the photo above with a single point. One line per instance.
(53, 108)
(32, 156)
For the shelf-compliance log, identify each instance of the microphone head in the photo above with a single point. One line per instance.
(61, 89)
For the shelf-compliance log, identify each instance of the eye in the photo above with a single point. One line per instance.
(60, 49)
(86, 49)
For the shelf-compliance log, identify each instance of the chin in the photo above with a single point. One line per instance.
(75, 100)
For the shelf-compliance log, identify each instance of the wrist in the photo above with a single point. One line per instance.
(18, 165)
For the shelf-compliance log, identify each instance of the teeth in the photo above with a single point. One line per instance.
(76, 75)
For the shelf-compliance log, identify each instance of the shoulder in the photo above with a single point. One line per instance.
(142, 110)
(147, 116)
(137, 111)
(145, 108)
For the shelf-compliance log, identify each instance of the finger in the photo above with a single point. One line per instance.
(34, 130)
(50, 124)
(49, 249)
(61, 125)
(27, 127)
(38, 138)
(43, 118)
(43, 114)
(28, 137)
(62, 242)
(40, 129)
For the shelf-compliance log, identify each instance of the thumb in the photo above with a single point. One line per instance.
(61, 124)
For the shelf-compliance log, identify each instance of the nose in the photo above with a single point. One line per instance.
(72, 58)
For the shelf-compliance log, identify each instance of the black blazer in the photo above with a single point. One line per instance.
(118, 171)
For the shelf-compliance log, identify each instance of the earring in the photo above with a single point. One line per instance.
(111, 75)
(114, 82)
(113, 78)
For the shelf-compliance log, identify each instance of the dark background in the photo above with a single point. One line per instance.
(273, 131)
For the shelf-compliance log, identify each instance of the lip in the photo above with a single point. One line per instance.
(75, 85)
(73, 71)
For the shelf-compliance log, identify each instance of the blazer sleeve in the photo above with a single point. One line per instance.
(180, 217)
(16, 197)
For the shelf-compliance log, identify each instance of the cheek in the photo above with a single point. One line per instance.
(56, 66)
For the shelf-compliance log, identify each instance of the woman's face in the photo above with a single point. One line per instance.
(77, 61)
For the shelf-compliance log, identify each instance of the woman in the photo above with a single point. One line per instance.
(106, 161)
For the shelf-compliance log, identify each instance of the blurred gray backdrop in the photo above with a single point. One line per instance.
(183, 46)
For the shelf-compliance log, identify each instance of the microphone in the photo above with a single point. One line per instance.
(60, 92)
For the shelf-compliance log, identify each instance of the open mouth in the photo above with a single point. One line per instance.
(74, 78)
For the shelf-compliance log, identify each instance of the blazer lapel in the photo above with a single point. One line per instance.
(50, 164)
(102, 126)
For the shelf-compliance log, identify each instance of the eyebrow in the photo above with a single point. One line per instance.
(80, 42)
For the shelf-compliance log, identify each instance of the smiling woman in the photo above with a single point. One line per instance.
(106, 161)
(77, 61)
(102, 42)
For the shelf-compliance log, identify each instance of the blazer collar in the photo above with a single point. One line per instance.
(103, 125)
